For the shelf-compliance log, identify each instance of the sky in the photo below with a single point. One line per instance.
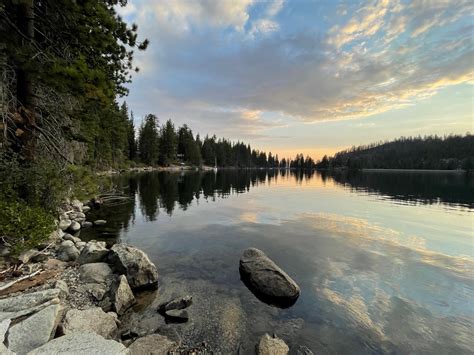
(300, 76)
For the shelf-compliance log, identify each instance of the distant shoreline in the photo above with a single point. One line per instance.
(459, 171)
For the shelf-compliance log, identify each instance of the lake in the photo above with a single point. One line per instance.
(384, 259)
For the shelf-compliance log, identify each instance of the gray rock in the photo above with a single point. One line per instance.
(87, 224)
(63, 287)
(80, 245)
(28, 300)
(35, 330)
(266, 279)
(271, 346)
(4, 325)
(86, 209)
(67, 251)
(5, 351)
(180, 315)
(98, 291)
(135, 265)
(95, 273)
(152, 344)
(71, 238)
(100, 222)
(80, 215)
(178, 303)
(81, 344)
(77, 205)
(65, 223)
(93, 252)
(74, 227)
(92, 320)
(121, 295)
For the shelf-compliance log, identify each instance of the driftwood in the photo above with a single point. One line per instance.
(11, 283)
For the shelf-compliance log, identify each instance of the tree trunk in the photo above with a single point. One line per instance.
(25, 96)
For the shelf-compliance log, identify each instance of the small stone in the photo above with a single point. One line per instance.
(271, 346)
(87, 224)
(86, 209)
(71, 238)
(155, 344)
(100, 222)
(178, 303)
(77, 205)
(74, 227)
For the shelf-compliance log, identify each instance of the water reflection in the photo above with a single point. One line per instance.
(376, 277)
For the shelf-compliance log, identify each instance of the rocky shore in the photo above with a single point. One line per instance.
(76, 297)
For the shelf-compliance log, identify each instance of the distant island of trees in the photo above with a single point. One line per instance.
(451, 152)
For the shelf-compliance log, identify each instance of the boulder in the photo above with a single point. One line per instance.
(74, 227)
(100, 222)
(266, 280)
(64, 223)
(28, 300)
(135, 265)
(35, 330)
(122, 295)
(4, 325)
(67, 251)
(155, 344)
(271, 346)
(81, 344)
(93, 252)
(92, 320)
(98, 291)
(95, 273)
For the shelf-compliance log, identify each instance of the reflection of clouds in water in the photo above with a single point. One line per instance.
(384, 300)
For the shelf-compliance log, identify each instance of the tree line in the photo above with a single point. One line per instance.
(166, 144)
(430, 152)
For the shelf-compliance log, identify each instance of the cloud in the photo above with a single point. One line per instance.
(213, 62)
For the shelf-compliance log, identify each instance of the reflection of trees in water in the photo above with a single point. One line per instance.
(167, 190)
(419, 187)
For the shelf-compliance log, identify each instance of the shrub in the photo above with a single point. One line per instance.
(22, 226)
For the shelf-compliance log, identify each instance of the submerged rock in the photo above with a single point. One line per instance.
(177, 303)
(81, 343)
(266, 280)
(152, 344)
(135, 265)
(100, 222)
(93, 320)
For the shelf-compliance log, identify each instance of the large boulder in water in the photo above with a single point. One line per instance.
(266, 280)
(135, 265)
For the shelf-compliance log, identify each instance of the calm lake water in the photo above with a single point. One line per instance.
(384, 260)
